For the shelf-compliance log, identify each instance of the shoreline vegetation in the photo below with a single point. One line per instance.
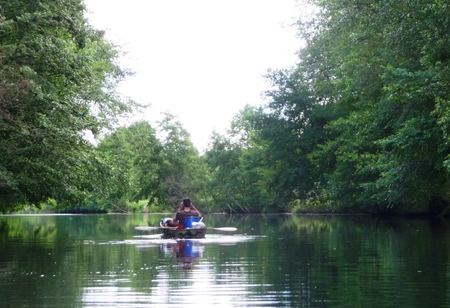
(360, 124)
(48, 209)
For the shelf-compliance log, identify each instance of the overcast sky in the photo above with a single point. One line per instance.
(202, 60)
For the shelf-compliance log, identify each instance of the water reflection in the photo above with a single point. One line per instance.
(185, 252)
(272, 261)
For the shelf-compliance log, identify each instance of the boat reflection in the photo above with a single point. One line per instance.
(185, 252)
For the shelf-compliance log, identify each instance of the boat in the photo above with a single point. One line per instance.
(188, 233)
(194, 228)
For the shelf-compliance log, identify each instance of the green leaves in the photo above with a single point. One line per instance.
(135, 162)
(183, 172)
(384, 89)
(57, 79)
(361, 123)
(160, 167)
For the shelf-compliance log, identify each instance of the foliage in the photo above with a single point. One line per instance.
(223, 160)
(264, 164)
(183, 171)
(240, 172)
(57, 79)
(134, 155)
(359, 124)
(387, 149)
(160, 167)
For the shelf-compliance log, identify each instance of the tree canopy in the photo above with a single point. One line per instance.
(359, 124)
(57, 83)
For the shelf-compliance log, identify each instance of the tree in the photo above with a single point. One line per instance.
(135, 160)
(360, 123)
(383, 69)
(57, 81)
(293, 129)
(223, 160)
(242, 174)
(183, 171)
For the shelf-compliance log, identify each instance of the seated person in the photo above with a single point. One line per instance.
(184, 211)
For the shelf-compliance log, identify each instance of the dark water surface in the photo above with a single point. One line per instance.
(271, 261)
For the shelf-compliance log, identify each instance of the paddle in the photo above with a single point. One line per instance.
(148, 228)
(225, 229)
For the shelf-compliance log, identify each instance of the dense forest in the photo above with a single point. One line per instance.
(359, 124)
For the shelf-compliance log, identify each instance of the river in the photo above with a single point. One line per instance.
(270, 261)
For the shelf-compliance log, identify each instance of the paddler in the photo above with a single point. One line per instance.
(186, 209)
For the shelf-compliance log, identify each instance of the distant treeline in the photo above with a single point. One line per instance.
(359, 124)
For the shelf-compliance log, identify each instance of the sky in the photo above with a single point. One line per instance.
(201, 60)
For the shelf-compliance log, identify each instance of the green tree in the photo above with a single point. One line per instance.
(135, 159)
(383, 69)
(225, 185)
(361, 122)
(183, 171)
(57, 81)
(242, 173)
(293, 129)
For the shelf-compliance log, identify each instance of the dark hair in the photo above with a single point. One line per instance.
(187, 202)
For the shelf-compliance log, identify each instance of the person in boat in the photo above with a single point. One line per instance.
(187, 200)
(186, 209)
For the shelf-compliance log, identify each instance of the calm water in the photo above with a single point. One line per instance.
(271, 261)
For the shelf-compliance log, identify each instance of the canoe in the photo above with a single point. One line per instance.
(195, 230)
(188, 233)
